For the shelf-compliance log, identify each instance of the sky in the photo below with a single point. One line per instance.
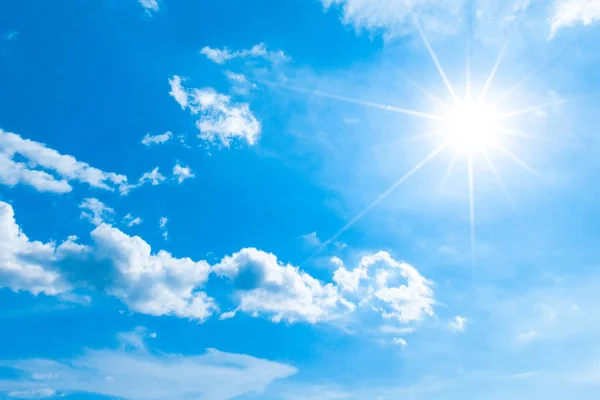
(310, 199)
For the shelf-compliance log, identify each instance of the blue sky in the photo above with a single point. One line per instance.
(324, 199)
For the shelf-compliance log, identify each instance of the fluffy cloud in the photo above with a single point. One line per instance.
(25, 264)
(395, 289)
(264, 285)
(154, 284)
(156, 139)
(220, 119)
(139, 374)
(221, 56)
(158, 284)
(95, 211)
(40, 156)
(182, 173)
(571, 12)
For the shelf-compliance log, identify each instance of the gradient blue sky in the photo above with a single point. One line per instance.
(183, 187)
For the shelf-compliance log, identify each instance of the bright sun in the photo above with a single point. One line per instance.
(471, 127)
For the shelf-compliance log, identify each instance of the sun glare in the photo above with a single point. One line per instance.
(471, 127)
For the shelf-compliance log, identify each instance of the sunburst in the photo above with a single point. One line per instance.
(469, 127)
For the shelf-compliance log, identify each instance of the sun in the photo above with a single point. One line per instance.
(471, 127)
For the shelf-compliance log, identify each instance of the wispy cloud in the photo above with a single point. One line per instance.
(137, 373)
(151, 6)
(96, 211)
(221, 56)
(130, 220)
(149, 140)
(458, 324)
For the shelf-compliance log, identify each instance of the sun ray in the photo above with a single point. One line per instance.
(497, 175)
(448, 170)
(468, 92)
(517, 160)
(434, 57)
(492, 75)
(383, 195)
(423, 136)
(531, 109)
(513, 132)
(472, 209)
(371, 104)
(427, 94)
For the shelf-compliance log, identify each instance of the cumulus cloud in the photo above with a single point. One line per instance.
(395, 289)
(282, 291)
(25, 264)
(149, 140)
(221, 56)
(157, 283)
(140, 374)
(400, 342)
(458, 324)
(42, 160)
(220, 119)
(95, 211)
(571, 12)
(154, 284)
(182, 173)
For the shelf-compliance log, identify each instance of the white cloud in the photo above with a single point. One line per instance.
(400, 341)
(95, 211)
(157, 139)
(154, 284)
(241, 85)
(153, 177)
(571, 12)
(140, 374)
(162, 224)
(41, 157)
(221, 56)
(182, 173)
(130, 220)
(458, 324)
(220, 119)
(264, 285)
(312, 239)
(25, 264)
(41, 393)
(395, 289)
(151, 6)
(393, 17)
(178, 92)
